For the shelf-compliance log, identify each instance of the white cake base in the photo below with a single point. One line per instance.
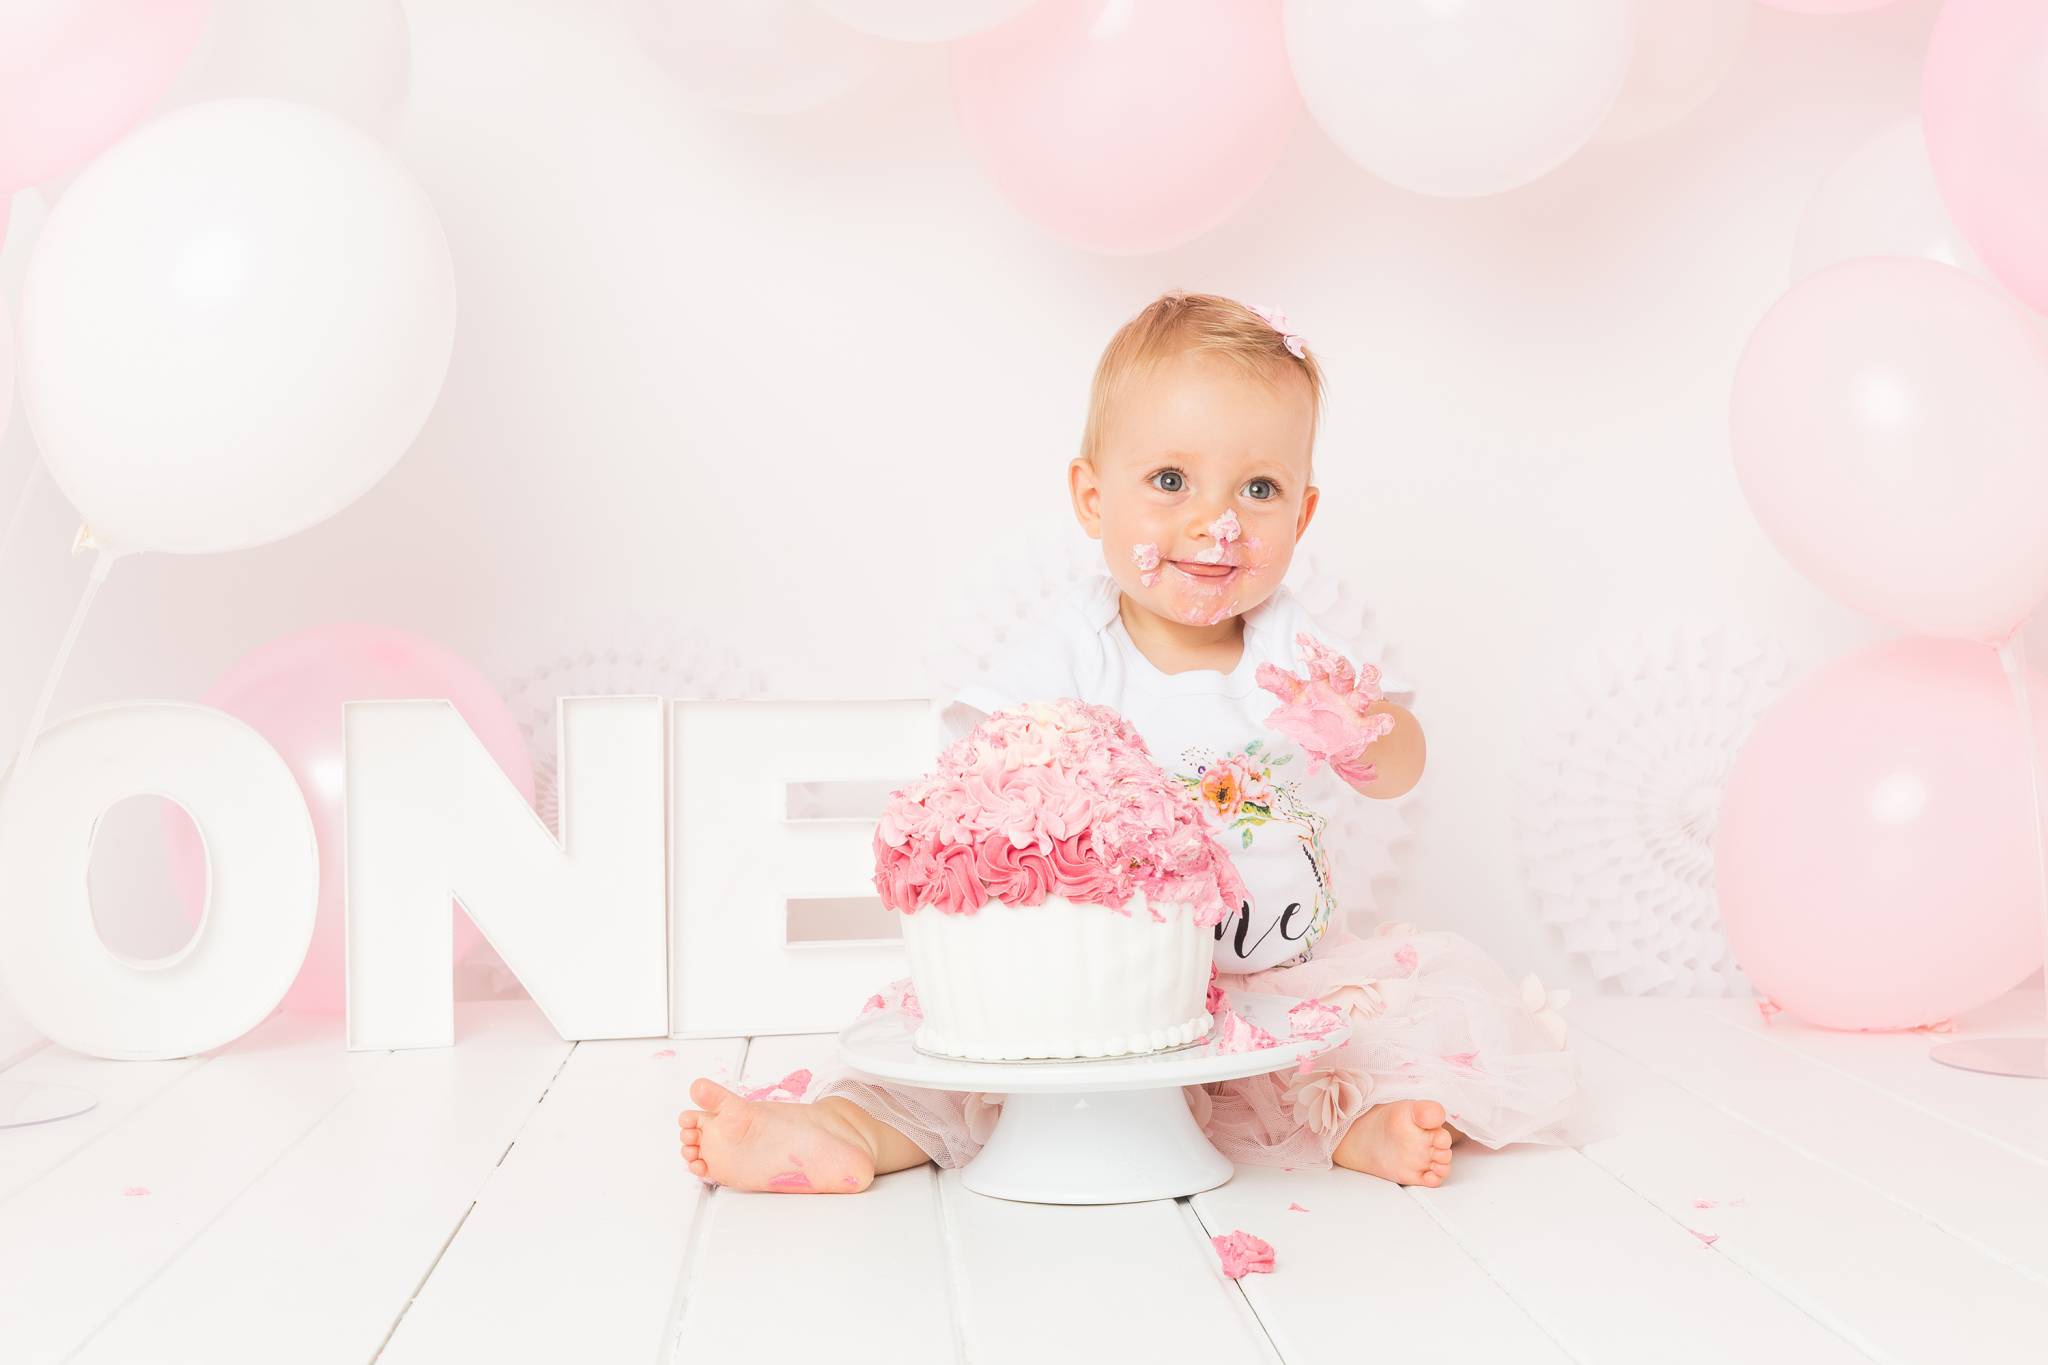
(1088, 1132)
(1059, 979)
(1115, 1148)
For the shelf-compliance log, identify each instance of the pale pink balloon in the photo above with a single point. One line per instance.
(1875, 859)
(291, 691)
(1984, 103)
(1889, 424)
(77, 74)
(1129, 126)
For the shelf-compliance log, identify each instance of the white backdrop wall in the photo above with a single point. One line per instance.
(760, 382)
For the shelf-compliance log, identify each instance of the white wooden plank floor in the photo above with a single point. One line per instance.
(1768, 1191)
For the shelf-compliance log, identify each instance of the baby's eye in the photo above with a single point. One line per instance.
(1176, 481)
(1272, 490)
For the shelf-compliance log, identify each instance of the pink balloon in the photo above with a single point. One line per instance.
(1984, 103)
(1889, 424)
(1129, 126)
(76, 75)
(1875, 857)
(291, 690)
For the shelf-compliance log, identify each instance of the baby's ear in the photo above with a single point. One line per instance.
(1310, 496)
(1086, 491)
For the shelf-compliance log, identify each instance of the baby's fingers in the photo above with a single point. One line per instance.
(1325, 663)
(1285, 686)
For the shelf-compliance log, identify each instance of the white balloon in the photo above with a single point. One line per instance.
(352, 58)
(1683, 50)
(760, 56)
(1882, 201)
(922, 21)
(234, 324)
(1459, 97)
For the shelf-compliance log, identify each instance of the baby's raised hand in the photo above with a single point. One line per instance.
(1326, 712)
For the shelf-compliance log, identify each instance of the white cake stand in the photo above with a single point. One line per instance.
(1112, 1131)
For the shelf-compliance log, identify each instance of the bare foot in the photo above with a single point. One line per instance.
(766, 1145)
(1405, 1141)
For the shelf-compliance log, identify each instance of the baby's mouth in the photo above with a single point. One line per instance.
(1208, 573)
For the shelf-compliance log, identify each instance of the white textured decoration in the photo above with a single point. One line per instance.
(1618, 797)
(1364, 836)
(644, 659)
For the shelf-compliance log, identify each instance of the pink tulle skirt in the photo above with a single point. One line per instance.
(1432, 1017)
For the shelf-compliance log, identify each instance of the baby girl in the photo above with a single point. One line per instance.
(1196, 474)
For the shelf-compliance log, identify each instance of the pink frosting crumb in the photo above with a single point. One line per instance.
(789, 1088)
(899, 994)
(1314, 1019)
(1242, 1254)
(1296, 1208)
(1235, 1033)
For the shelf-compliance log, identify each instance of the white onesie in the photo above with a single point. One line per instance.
(1208, 729)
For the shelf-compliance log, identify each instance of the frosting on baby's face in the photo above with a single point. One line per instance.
(1200, 487)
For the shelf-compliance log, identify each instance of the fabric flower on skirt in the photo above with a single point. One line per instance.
(1322, 1100)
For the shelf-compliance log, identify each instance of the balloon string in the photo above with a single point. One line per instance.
(2014, 655)
(100, 564)
(20, 506)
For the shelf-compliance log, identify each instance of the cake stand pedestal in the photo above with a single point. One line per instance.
(1110, 1131)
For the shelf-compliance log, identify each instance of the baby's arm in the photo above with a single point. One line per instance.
(1337, 711)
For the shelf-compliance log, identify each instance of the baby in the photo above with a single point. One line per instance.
(1196, 473)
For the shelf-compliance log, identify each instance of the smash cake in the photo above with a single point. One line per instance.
(1059, 891)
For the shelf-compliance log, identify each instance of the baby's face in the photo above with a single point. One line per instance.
(1200, 487)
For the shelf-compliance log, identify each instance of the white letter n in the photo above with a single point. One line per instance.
(582, 923)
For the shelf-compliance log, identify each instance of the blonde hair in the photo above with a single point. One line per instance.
(1176, 323)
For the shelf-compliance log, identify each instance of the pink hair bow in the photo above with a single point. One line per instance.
(1277, 320)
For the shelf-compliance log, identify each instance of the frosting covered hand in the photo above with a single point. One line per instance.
(1326, 713)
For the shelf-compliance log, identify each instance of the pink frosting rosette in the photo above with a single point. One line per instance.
(1057, 798)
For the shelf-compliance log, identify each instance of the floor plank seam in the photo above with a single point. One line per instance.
(950, 1247)
(1886, 1091)
(207, 1226)
(1419, 1195)
(1789, 1145)
(1248, 1311)
(1868, 1350)
(693, 1245)
(531, 1113)
(421, 1283)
